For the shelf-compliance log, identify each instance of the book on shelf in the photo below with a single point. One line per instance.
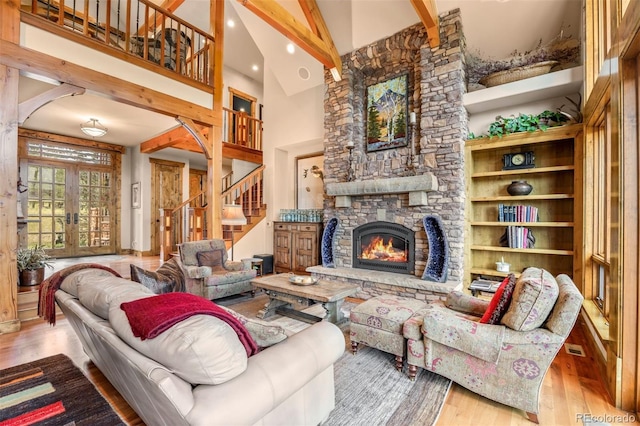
(517, 213)
(482, 284)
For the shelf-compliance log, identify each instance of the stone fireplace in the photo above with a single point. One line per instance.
(400, 185)
(384, 246)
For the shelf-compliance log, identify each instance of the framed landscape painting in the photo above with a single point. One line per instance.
(387, 114)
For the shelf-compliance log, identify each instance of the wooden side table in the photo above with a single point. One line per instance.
(254, 263)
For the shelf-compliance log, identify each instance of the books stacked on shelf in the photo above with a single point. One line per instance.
(517, 213)
(518, 237)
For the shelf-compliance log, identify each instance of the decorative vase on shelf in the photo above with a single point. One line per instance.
(519, 187)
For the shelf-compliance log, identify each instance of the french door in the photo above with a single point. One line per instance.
(70, 208)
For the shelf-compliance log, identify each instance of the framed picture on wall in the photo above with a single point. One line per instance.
(387, 119)
(136, 200)
(310, 182)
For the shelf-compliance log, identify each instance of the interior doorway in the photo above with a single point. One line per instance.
(166, 193)
(240, 130)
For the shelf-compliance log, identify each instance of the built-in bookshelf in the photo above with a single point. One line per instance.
(498, 224)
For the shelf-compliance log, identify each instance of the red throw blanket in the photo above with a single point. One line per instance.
(48, 287)
(151, 316)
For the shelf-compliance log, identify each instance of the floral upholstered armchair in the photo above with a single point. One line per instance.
(209, 274)
(505, 361)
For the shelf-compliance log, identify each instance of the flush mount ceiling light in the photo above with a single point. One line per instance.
(255, 68)
(93, 128)
(291, 48)
(231, 23)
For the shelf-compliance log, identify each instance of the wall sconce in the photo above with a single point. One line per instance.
(350, 173)
(93, 128)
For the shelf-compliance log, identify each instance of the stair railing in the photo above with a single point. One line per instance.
(186, 223)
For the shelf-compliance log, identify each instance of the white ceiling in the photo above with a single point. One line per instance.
(493, 29)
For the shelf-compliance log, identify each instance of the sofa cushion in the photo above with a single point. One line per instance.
(212, 259)
(500, 301)
(71, 283)
(97, 293)
(226, 277)
(534, 296)
(263, 333)
(201, 349)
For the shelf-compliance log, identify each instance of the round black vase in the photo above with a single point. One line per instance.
(519, 187)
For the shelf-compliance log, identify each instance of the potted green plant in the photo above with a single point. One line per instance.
(31, 264)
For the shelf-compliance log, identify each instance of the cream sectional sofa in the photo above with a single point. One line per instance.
(290, 382)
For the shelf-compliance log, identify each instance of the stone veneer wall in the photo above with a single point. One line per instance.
(436, 85)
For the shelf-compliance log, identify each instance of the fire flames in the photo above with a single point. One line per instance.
(379, 250)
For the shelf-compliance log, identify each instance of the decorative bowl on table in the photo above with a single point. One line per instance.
(303, 280)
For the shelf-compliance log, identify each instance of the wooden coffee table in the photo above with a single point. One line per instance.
(283, 293)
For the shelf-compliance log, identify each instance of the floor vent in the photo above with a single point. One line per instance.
(574, 349)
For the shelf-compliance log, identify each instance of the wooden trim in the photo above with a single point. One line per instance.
(166, 162)
(237, 152)
(52, 137)
(114, 88)
(28, 107)
(9, 82)
(237, 93)
(194, 131)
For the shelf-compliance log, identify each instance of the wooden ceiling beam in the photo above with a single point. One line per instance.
(170, 139)
(319, 28)
(281, 20)
(28, 107)
(428, 13)
(199, 136)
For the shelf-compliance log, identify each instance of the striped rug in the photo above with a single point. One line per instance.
(51, 391)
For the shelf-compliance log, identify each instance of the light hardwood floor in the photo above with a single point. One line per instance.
(572, 386)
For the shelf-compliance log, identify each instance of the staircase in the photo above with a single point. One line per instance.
(187, 223)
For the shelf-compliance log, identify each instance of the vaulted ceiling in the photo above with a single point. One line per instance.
(493, 29)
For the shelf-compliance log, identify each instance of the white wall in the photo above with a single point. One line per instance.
(293, 126)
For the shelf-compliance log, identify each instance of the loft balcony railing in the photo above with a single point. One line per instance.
(138, 29)
(242, 129)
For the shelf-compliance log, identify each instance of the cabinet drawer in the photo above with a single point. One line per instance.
(307, 227)
(282, 226)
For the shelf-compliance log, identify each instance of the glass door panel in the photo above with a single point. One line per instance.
(47, 207)
(94, 222)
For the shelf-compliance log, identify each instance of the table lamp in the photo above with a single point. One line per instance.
(232, 215)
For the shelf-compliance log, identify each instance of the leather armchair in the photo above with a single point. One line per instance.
(495, 361)
(210, 282)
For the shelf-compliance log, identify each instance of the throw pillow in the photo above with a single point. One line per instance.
(157, 282)
(500, 301)
(212, 259)
(533, 299)
(172, 270)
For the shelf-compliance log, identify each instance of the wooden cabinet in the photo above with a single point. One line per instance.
(296, 246)
(557, 194)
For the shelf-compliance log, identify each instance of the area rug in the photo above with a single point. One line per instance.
(51, 391)
(370, 391)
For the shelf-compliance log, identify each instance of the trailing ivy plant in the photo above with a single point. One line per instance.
(523, 123)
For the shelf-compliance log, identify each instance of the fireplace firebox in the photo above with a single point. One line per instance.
(384, 246)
